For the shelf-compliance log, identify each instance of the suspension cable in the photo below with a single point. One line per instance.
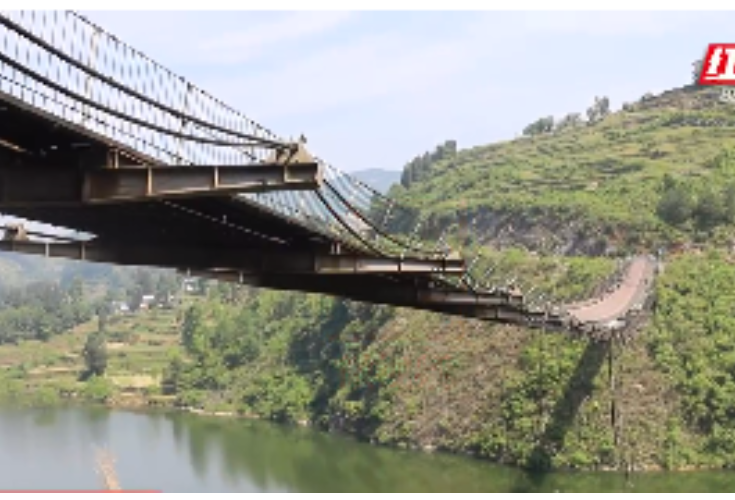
(131, 92)
(144, 141)
(123, 116)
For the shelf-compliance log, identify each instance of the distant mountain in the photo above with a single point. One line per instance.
(377, 178)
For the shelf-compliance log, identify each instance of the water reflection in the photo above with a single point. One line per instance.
(98, 424)
(45, 417)
(185, 453)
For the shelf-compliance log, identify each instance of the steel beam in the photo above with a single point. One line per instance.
(283, 271)
(265, 260)
(370, 288)
(348, 264)
(22, 186)
(376, 290)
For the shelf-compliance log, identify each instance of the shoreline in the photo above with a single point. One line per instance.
(146, 404)
(140, 402)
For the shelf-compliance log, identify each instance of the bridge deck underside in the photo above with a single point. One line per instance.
(32, 134)
(212, 224)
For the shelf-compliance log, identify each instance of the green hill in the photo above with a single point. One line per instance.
(656, 172)
(659, 171)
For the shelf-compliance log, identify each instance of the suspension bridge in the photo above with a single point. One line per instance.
(150, 170)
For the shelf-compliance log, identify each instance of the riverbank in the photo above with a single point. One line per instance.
(46, 374)
(139, 403)
(413, 380)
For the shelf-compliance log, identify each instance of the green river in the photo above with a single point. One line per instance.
(55, 449)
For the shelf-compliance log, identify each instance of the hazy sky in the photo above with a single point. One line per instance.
(373, 89)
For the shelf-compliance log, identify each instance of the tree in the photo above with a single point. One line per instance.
(135, 298)
(599, 110)
(76, 291)
(710, 209)
(569, 121)
(102, 320)
(729, 202)
(166, 286)
(419, 168)
(676, 205)
(143, 279)
(106, 305)
(697, 70)
(191, 324)
(450, 147)
(95, 354)
(540, 126)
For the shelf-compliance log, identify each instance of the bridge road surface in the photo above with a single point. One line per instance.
(616, 304)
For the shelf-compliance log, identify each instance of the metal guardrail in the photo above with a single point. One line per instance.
(61, 63)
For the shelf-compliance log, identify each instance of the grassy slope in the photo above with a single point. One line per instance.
(608, 174)
(40, 369)
(523, 397)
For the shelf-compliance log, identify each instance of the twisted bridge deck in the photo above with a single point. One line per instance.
(610, 310)
(611, 306)
(96, 137)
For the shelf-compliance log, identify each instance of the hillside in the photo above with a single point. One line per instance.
(610, 177)
(17, 269)
(659, 171)
(414, 379)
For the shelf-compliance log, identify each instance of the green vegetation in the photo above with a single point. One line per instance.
(662, 170)
(60, 369)
(64, 339)
(693, 343)
(611, 175)
(95, 354)
(41, 310)
(701, 204)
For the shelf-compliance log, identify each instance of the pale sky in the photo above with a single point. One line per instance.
(374, 89)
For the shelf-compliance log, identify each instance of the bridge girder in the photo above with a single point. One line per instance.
(370, 279)
(250, 260)
(373, 288)
(378, 289)
(27, 185)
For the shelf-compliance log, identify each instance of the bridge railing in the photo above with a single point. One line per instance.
(67, 66)
(61, 63)
(64, 65)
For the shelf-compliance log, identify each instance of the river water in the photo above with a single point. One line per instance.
(55, 449)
